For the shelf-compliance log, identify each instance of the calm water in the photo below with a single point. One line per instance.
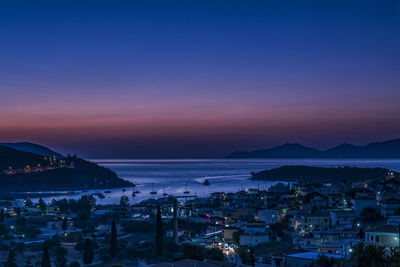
(228, 175)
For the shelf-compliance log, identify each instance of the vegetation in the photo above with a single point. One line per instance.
(370, 215)
(113, 240)
(10, 260)
(59, 252)
(246, 254)
(46, 257)
(159, 232)
(88, 254)
(318, 174)
(199, 253)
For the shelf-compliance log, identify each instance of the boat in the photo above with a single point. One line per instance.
(206, 182)
(136, 192)
(107, 192)
(152, 192)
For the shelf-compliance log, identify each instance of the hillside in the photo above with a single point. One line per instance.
(318, 174)
(31, 172)
(19, 160)
(379, 150)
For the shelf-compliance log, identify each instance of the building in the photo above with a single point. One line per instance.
(253, 239)
(385, 235)
(342, 218)
(389, 206)
(316, 221)
(327, 189)
(227, 233)
(361, 203)
(268, 216)
(279, 188)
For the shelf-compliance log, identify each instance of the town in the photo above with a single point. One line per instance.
(290, 224)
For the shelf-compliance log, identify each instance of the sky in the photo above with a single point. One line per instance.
(196, 79)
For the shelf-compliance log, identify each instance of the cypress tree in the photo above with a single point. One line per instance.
(88, 252)
(113, 245)
(159, 232)
(64, 224)
(252, 259)
(2, 216)
(42, 204)
(46, 257)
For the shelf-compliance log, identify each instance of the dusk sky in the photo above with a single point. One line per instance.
(178, 79)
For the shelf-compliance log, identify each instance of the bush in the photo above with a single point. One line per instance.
(370, 215)
(74, 264)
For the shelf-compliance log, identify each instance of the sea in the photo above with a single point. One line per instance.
(180, 176)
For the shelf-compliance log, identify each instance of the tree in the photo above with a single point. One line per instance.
(159, 232)
(60, 253)
(64, 224)
(10, 260)
(46, 257)
(368, 255)
(18, 211)
(20, 248)
(74, 264)
(236, 237)
(244, 254)
(324, 261)
(2, 216)
(28, 202)
(4, 229)
(88, 252)
(20, 226)
(4, 247)
(42, 204)
(31, 231)
(28, 262)
(113, 240)
(193, 252)
(370, 215)
(214, 254)
(124, 201)
(252, 258)
(361, 233)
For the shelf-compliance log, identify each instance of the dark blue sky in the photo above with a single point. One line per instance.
(198, 78)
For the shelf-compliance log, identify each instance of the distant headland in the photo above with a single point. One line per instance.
(29, 167)
(377, 150)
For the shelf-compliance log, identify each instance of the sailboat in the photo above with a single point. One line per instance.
(186, 190)
(152, 190)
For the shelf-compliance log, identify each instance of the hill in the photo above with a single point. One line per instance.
(18, 159)
(24, 171)
(33, 148)
(388, 149)
(320, 174)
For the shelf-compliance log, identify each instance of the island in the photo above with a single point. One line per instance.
(22, 171)
(299, 173)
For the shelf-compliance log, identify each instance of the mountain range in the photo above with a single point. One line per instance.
(377, 150)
